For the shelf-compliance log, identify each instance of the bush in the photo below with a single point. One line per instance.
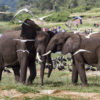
(21, 17)
(6, 17)
(81, 9)
(58, 17)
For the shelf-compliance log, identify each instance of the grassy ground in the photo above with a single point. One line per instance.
(51, 98)
(7, 26)
(59, 81)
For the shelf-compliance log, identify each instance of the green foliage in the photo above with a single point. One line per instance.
(6, 17)
(21, 17)
(94, 10)
(81, 9)
(27, 98)
(57, 4)
(58, 17)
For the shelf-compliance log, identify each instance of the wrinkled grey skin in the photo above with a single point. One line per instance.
(76, 42)
(57, 42)
(18, 60)
(70, 43)
(41, 42)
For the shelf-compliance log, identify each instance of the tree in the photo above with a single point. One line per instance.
(4, 8)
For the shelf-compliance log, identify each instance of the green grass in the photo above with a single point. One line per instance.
(52, 98)
(7, 26)
(26, 89)
(59, 80)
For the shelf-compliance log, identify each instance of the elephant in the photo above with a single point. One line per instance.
(84, 51)
(18, 51)
(41, 41)
(57, 42)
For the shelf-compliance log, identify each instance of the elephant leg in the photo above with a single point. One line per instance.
(79, 63)
(82, 74)
(1, 69)
(42, 69)
(74, 75)
(23, 60)
(16, 70)
(32, 69)
(98, 66)
(23, 71)
(50, 65)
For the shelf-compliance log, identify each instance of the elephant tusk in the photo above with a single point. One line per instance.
(1, 35)
(38, 57)
(81, 50)
(88, 36)
(24, 40)
(47, 53)
(23, 51)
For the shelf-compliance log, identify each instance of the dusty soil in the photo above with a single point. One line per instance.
(15, 95)
(93, 73)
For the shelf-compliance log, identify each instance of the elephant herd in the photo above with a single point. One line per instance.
(18, 50)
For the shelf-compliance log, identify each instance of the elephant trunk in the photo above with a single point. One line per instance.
(49, 64)
(50, 71)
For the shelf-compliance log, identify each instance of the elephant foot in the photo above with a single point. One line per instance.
(85, 85)
(74, 84)
(22, 82)
(48, 76)
(17, 79)
(29, 82)
(42, 84)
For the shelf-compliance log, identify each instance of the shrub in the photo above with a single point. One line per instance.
(21, 17)
(6, 17)
(58, 17)
(81, 9)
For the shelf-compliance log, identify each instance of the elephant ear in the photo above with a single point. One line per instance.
(71, 44)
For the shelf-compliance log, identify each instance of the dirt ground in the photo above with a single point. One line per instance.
(15, 95)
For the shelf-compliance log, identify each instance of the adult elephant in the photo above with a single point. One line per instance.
(57, 42)
(41, 42)
(84, 51)
(17, 50)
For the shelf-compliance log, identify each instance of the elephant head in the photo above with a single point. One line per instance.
(29, 29)
(41, 42)
(57, 42)
(72, 44)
